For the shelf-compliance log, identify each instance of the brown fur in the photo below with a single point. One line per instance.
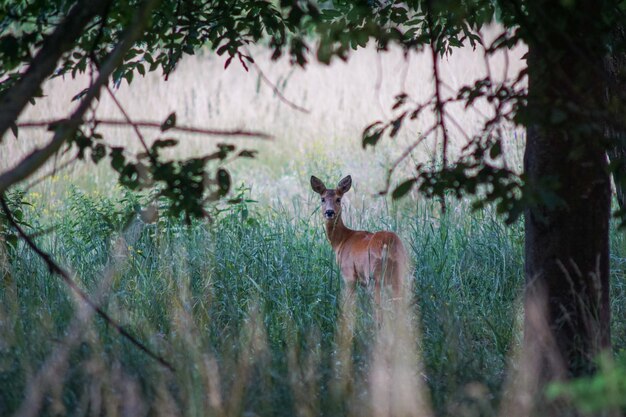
(362, 256)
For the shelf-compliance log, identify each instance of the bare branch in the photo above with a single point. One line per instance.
(68, 127)
(130, 122)
(156, 125)
(439, 103)
(274, 88)
(405, 154)
(43, 64)
(65, 276)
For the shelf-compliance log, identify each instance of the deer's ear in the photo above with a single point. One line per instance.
(317, 185)
(344, 185)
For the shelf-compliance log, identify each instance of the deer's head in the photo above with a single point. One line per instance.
(331, 198)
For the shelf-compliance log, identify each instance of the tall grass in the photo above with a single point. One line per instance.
(248, 308)
(238, 303)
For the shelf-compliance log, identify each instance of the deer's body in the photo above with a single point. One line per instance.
(363, 257)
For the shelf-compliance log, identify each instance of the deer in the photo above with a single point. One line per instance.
(363, 257)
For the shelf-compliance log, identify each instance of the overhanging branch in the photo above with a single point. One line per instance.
(158, 125)
(65, 130)
(43, 64)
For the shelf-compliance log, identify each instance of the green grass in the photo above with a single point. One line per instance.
(248, 309)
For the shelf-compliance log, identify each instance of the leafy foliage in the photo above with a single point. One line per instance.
(604, 391)
(177, 29)
(17, 204)
(180, 28)
(190, 291)
(227, 27)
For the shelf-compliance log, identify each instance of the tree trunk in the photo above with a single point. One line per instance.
(567, 235)
(615, 69)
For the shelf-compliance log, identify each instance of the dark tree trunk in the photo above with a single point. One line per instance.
(615, 68)
(567, 237)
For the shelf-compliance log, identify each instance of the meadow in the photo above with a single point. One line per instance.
(247, 305)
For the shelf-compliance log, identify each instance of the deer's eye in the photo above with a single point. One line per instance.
(338, 200)
(323, 200)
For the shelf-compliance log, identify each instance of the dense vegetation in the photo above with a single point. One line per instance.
(243, 307)
(247, 309)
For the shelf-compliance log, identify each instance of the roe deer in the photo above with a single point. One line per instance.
(362, 256)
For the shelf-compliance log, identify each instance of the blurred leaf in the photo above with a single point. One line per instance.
(117, 159)
(403, 188)
(80, 94)
(247, 153)
(495, 151)
(98, 152)
(169, 123)
(11, 240)
(372, 134)
(396, 125)
(223, 181)
(164, 143)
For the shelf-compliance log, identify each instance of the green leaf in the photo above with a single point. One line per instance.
(396, 125)
(98, 152)
(80, 95)
(247, 153)
(169, 123)
(403, 188)
(11, 240)
(164, 143)
(495, 151)
(372, 134)
(117, 159)
(223, 180)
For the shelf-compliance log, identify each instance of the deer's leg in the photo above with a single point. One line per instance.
(388, 289)
(377, 301)
(394, 279)
(350, 280)
(376, 277)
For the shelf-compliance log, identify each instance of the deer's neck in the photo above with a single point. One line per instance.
(337, 232)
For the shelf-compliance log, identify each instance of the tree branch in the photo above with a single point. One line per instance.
(130, 122)
(405, 154)
(156, 125)
(68, 127)
(65, 276)
(273, 86)
(439, 103)
(43, 64)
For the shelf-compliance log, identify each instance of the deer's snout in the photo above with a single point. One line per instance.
(329, 214)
